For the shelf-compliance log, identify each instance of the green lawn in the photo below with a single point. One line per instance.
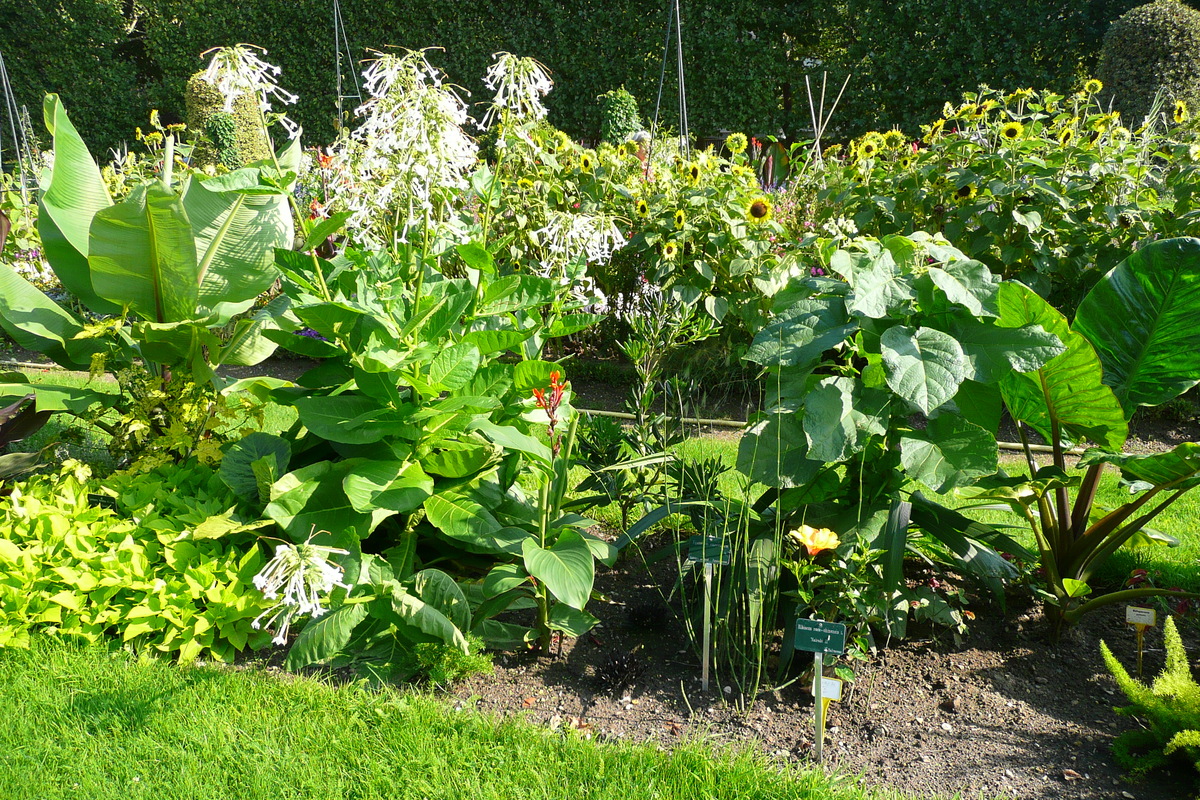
(84, 723)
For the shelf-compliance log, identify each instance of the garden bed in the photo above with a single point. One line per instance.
(1004, 713)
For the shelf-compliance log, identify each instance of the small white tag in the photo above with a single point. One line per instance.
(831, 689)
(1135, 615)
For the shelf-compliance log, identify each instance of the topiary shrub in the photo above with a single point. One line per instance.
(231, 139)
(619, 117)
(1150, 49)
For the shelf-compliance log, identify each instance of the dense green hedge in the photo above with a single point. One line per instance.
(745, 59)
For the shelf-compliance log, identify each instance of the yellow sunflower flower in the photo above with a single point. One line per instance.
(643, 209)
(894, 139)
(587, 161)
(1011, 131)
(1066, 136)
(759, 209)
(965, 193)
(680, 219)
(736, 142)
(670, 250)
(1092, 86)
(693, 174)
(1181, 112)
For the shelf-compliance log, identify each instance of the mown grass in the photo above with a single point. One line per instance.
(84, 723)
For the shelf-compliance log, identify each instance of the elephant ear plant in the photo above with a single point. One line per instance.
(158, 273)
(1134, 342)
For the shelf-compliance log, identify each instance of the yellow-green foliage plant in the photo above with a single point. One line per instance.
(1170, 708)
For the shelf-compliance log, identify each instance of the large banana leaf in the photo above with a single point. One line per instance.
(236, 232)
(1067, 392)
(1142, 320)
(143, 257)
(34, 321)
(71, 196)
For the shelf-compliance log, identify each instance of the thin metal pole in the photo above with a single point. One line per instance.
(337, 61)
(708, 571)
(819, 699)
(685, 145)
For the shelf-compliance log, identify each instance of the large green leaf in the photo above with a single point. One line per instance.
(454, 366)
(993, 351)
(1067, 391)
(924, 366)
(969, 284)
(325, 637)
(949, 453)
(36, 322)
(798, 336)
(75, 399)
(395, 485)
(142, 256)
(567, 567)
(71, 197)
(344, 418)
(461, 517)
(238, 470)
(879, 286)
(235, 239)
(840, 417)
(1179, 467)
(1142, 319)
(311, 500)
(248, 345)
(774, 452)
(440, 591)
(426, 619)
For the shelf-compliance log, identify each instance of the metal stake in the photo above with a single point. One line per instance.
(819, 700)
(708, 571)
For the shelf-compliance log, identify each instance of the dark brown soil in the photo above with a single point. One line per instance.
(1004, 713)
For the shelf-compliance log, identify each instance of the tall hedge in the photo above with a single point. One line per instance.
(1150, 49)
(745, 60)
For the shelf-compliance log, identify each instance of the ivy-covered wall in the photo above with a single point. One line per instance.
(745, 60)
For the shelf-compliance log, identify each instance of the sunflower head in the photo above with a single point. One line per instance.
(965, 193)
(894, 139)
(933, 132)
(1181, 112)
(832, 151)
(1019, 96)
(587, 161)
(562, 141)
(670, 250)
(870, 145)
(906, 162)
(643, 209)
(1011, 131)
(736, 142)
(680, 218)
(1119, 134)
(1066, 136)
(759, 209)
(693, 174)
(1092, 86)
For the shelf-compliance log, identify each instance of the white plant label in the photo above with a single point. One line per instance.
(831, 689)
(1136, 615)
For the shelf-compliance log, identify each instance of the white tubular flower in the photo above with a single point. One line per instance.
(569, 236)
(236, 71)
(303, 573)
(520, 84)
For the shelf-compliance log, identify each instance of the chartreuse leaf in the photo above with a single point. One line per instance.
(454, 366)
(567, 567)
(1067, 391)
(924, 366)
(1142, 320)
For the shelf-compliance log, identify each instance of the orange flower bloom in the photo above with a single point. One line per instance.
(814, 540)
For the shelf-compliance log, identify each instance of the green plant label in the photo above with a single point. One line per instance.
(819, 636)
(708, 550)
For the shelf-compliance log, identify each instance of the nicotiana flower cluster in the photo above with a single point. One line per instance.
(410, 148)
(519, 84)
(298, 576)
(236, 71)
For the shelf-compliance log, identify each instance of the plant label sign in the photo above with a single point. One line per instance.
(831, 689)
(819, 636)
(708, 550)
(1136, 615)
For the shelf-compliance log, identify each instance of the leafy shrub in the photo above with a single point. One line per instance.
(235, 138)
(74, 567)
(1149, 50)
(619, 117)
(1170, 707)
(1048, 189)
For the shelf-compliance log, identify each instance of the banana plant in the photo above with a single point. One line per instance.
(162, 270)
(1134, 342)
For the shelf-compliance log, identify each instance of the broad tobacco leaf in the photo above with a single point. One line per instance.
(949, 453)
(840, 416)
(924, 366)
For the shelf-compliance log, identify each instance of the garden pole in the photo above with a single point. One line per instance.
(819, 703)
(708, 571)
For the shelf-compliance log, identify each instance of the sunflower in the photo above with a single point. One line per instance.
(832, 151)
(932, 132)
(643, 209)
(1092, 86)
(759, 209)
(680, 219)
(562, 141)
(894, 139)
(1011, 131)
(965, 193)
(906, 162)
(1066, 136)
(1120, 134)
(868, 147)
(1019, 96)
(670, 250)
(693, 174)
(524, 183)
(1181, 112)
(948, 110)
(736, 142)
(587, 161)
